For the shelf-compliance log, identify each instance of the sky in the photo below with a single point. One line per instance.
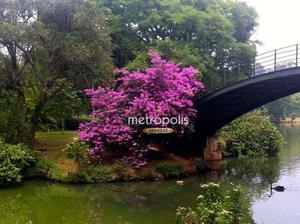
(279, 23)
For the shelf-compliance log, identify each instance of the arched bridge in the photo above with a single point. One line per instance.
(276, 74)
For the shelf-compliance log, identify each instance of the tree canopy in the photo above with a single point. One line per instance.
(50, 50)
(210, 35)
(46, 43)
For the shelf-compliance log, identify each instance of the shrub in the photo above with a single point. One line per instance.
(169, 169)
(100, 173)
(103, 173)
(77, 178)
(13, 161)
(214, 206)
(13, 129)
(165, 89)
(43, 168)
(252, 135)
(78, 151)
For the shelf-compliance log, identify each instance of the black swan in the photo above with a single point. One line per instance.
(279, 188)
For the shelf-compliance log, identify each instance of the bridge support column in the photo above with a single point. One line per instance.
(212, 150)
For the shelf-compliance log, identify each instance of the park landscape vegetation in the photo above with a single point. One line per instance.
(88, 65)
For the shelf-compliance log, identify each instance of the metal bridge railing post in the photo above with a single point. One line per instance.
(297, 55)
(275, 57)
(224, 78)
(239, 72)
(254, 67)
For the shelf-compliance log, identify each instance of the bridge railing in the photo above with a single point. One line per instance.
(275, 60)
(279, 59)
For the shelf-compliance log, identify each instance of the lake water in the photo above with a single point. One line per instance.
(43, 202)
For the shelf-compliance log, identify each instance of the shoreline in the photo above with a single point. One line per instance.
(156, 171)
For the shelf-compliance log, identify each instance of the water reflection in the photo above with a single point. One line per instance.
(148, 202)
(42, 202)
(277, 188)
(283, 207)
(254, 174)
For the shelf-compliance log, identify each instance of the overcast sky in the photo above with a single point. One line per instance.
(279, 23)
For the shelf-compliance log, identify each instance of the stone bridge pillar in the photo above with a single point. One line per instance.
(212, 151)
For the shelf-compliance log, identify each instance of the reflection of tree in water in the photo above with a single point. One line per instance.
(38, 202)
(133, 196)
(10, 207)
(128, 202)
(255, 174)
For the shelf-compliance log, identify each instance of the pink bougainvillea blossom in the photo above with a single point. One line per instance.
(165, 89)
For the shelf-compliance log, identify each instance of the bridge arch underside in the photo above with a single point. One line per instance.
(227, 104)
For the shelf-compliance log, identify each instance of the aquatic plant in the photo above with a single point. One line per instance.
(214, 206)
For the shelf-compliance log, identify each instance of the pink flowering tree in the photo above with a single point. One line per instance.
(165, 89)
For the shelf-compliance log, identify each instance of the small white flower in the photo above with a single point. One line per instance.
(200, 197)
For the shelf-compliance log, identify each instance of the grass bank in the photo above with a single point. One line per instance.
(53, 164)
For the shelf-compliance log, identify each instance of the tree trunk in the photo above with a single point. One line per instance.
(62, 125)
(34, 120)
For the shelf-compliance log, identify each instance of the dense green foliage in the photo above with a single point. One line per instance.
(62, 107)
(44, 169)
(252, 135)
(214, 206)
(169, 169)
(14, 159)
(104, 173)
(49, 48)
(12, 128)
(53, 49)
(96, 173)
(210, 35)
(78, 151)
(284, 107)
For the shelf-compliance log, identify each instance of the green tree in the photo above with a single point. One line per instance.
(11, 121)
(282, 107)
(242, 137)
(63, 106)
(44, 43)
(211, 35)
